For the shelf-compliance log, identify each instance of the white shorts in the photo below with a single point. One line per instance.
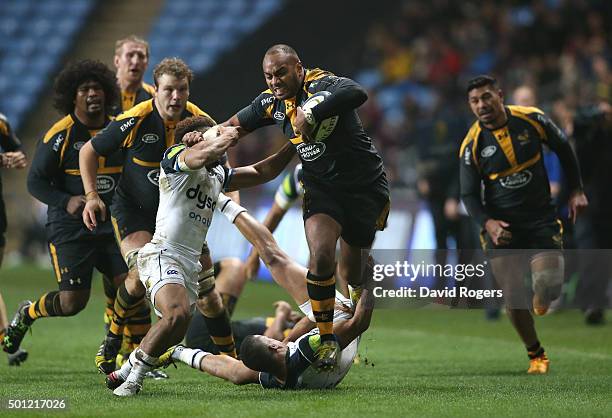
(313, 378)
(159, 266)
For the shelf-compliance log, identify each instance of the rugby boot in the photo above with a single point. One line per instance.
(128, 389)
(327, 355)
(17, 357)
(113, 381)
(17, 328)
(107, 354)
(539, 364)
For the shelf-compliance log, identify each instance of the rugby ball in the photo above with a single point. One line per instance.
(324, 128)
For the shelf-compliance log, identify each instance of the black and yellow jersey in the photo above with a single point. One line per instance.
(508, 161)
(290, 189)
(54, 177)
(143, 136)
(129, 99)
(345, 159)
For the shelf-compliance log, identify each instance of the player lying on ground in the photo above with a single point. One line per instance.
(273, 363)
(285, 364)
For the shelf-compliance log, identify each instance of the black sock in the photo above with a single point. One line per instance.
(535, 350)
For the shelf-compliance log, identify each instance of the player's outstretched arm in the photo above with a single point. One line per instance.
(228, 368)
(210, 148)
(88, 166)
(263, 171)
(286, 273)
(234, 122)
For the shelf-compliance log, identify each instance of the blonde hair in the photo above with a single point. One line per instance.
(131, 38)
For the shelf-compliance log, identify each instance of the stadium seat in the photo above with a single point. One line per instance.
(33, 37)
(208, 28)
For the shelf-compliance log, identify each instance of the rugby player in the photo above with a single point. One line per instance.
(11, 156)
(189, 185)
(85, 93)
(131, 60)
(503, 151)
(143, 134)
(276, 364)
(286, 272)
(346, 194)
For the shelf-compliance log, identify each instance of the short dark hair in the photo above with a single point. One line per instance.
(256, 356)
(481, 81)
(281, 48)
(75, 74)
(193, 123)
(172, 66)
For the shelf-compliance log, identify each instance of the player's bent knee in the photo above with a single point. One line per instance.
(71, 304)
(177, 316)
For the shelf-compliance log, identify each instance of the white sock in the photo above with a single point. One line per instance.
(142, 364)
(306, 309)
(190, 356)
(125, 370)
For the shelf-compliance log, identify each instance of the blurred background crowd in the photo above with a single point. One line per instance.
(413, 56)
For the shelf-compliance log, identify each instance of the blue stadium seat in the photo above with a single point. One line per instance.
(34, 35)
(204, 29)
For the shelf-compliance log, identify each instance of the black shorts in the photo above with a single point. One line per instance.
(546, 236)
(74, 261)
(360, 212)
(128, 218)
(197, 335)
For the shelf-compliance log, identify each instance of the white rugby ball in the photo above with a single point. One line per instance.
(324, 128)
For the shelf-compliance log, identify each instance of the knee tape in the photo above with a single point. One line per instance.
(206, 282)
(131, 258)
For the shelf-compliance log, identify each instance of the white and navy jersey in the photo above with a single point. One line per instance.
(187, 200)
(301, 354)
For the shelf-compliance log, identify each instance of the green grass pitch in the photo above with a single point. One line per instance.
(420, 362)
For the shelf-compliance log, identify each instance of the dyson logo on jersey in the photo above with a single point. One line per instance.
(204, 200)
(516, 180)
(311, 151)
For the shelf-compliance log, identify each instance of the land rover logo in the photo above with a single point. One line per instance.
(488, 151)
(78, 145)
(150, 138)
(105, 184)
(153, 176)
(312, 151)
(516, 180)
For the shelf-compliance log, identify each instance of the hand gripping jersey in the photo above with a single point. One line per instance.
(301, 355)
(346, 158)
